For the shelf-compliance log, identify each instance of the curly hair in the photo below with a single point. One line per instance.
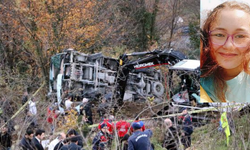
(209, 66)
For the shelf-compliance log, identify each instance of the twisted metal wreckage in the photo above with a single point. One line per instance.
(95, 75)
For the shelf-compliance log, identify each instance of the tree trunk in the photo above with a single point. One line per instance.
(154, 14)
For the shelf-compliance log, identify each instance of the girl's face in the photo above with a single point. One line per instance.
(230, 38)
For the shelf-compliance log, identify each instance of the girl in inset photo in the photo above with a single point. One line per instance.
(225, 54)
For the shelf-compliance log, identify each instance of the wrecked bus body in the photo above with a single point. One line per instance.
(133, 78)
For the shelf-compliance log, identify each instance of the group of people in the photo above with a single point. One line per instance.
(83, 108)
(134, 136)
(129, 136)
(33, 141)
(174, 135)
(80, 108)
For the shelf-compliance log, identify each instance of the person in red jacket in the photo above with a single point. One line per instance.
(122, 128)
(108, 122)
(110, 127)
(137, 119)
(101, 139)
(52, 115)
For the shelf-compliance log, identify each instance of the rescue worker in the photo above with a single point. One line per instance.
(108, 122)
(110, 127)
(225, 126)
(100, 141)
(140, 140)
(137, 119)
(122, 128)
(52, 115)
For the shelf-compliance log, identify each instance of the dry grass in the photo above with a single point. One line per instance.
(209, 138)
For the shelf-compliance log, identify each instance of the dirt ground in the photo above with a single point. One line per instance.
(132, 109)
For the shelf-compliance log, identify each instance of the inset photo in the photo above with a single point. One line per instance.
(225, 51)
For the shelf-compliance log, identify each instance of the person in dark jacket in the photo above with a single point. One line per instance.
(171, 140)
(100, 141)
(5, 139)
(72, 133)
(37, 140)
(26, 142)
(140, 140)
(73, 144)
(187, 128)
(85, 110)
(25, 97)
(61, 144)
(124, 142)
